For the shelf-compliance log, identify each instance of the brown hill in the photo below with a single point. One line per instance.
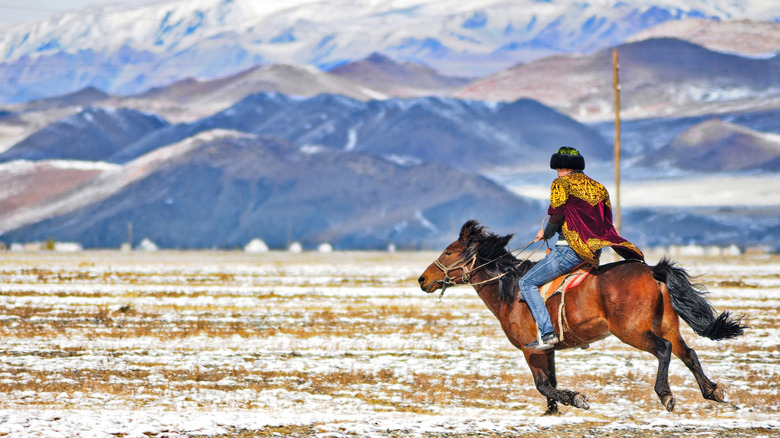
(657, 77)
(26, 183)
(89, 96)
(715, 146)
(404, 79)
(746, 37)
(207, 97)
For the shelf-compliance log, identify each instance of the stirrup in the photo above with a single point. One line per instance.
(545, 342)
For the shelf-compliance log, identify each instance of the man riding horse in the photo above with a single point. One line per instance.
(639, 304)
(581, 214)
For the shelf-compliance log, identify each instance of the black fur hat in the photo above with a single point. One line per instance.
(567, 158)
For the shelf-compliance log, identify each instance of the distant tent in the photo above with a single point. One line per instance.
(67, 247)
(256, 246)
(147, 245)
(295, 247)
(325, 247)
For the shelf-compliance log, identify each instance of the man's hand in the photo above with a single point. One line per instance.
(539, 235)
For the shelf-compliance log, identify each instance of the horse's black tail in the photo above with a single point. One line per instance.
(690, 302)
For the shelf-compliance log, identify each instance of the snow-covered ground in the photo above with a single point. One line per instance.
(106, 344)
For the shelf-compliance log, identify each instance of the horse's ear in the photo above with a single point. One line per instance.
(504, 240)
(469, 231)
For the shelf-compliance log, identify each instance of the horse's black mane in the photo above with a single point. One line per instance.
(491, 250)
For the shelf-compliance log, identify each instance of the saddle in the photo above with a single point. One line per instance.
(564, 282)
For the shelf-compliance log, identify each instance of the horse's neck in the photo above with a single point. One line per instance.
(489, 292)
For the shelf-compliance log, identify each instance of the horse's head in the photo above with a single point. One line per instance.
(454, 265)
(476, 252)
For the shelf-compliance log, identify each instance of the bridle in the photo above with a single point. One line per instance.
(464, 276)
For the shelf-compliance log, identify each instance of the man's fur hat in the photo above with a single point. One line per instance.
(567, 158)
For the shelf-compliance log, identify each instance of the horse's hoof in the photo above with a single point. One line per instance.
(580, 401)
(719, 395)
(552, 408)
(668, 401)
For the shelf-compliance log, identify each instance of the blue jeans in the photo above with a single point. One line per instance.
(557, 262)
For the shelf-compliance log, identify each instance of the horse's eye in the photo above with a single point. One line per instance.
(448, 253)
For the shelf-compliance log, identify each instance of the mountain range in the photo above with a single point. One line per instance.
(332, 169)
(223, 188)
(127, 50)
(467, 135)
(373, 126)
(657, 76)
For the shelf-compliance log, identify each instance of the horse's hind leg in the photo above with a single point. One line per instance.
(709, 389)
(662, 350)
(671, 332)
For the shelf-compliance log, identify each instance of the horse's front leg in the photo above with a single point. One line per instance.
(543, 371)
(552, 405)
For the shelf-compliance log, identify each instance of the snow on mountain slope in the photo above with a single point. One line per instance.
(111, 178)
(129, 49)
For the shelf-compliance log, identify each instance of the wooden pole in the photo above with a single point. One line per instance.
(616, 84)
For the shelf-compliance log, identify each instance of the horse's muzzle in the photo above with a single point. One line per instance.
(427, 287)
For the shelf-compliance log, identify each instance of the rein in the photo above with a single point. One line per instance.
(465, 275)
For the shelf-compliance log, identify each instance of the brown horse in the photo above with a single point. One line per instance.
(639, 304)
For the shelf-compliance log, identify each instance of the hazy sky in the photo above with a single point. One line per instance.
(17, 11)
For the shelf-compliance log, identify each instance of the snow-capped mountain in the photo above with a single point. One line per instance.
(130, 49)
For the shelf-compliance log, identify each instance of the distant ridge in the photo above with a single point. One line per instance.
(745, 37)
(658, 77)
(280, 78)
(93, 134)
(406, 79)
(89, 96)
(466, 135)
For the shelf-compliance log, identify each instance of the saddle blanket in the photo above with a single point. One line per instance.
(563, 283)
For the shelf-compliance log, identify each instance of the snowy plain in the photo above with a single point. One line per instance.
(218, 343)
